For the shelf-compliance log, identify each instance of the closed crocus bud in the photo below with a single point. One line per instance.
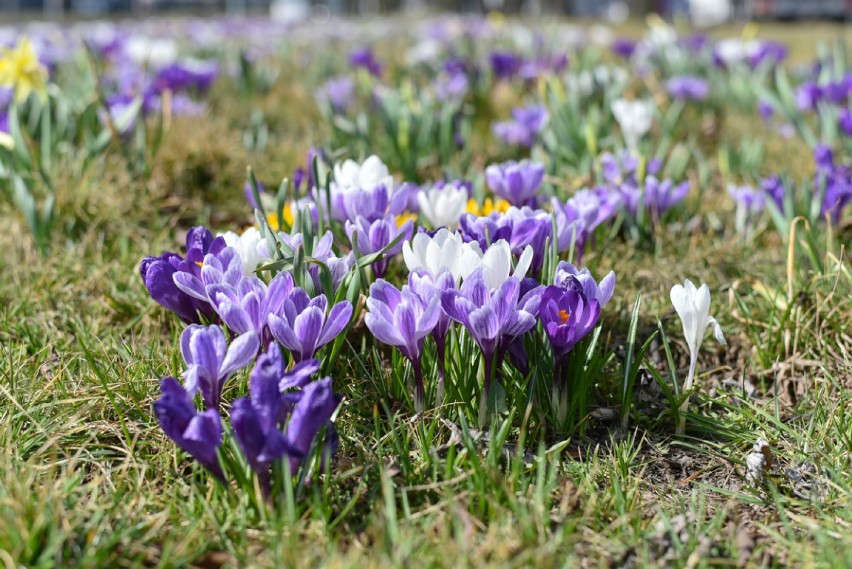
(634, 118)
(443, 206)
(693, 307)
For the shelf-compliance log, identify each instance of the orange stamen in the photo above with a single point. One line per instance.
(564, 315)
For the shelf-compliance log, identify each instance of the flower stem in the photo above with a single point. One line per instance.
(687, 386)
(419, 393)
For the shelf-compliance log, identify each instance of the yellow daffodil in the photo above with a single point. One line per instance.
(21, 70)
(488, 207)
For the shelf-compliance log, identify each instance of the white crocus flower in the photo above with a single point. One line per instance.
(445, 250)
(693, 306)
(634, 118)
(443, 207)
(365, 176)
(155, 52)
(250, 246)
(497, 263)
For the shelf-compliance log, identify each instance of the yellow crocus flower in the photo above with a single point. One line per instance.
(21, 70)
(488, 207)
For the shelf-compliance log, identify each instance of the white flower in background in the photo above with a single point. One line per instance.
(733, 51)
(155, 52)
(250, 246)
(445, 250)
(693, 306)
(634, 118)
(497, 261)
(365, 176)
(442, 207)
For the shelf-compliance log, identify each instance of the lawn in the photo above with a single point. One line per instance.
(596, 472)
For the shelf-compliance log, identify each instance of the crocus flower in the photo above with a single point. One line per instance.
(524, 127)
(845, 121)
(688, 88)
(442, 205)
(520, 227)
(365, 59)
(211, 362)
(505, 64)
(402, 319)
(445, 250)
(577, 218)
(274, 393)
(185, 75)
(374, 237)
(569, 277)
(158, 275)
(303, 325)
(693, 307)
(338, 92)
(749, 201)
(374, 202)
(497, 264)
(350, 174)
(199, 434)
(516, 182)
(427, 287)
(494, 317)
(249, 245)
(634, 118)
(567, 317)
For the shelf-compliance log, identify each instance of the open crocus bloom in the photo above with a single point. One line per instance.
(250, 246)
(497, 261)
(634, 118)
(444, 250)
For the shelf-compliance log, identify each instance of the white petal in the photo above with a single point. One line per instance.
(524, 263)
(717, 331)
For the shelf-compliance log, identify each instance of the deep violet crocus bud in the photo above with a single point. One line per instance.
(199, 434)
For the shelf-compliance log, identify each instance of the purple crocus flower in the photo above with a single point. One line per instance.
(567, 317)
(305, 325)
(211, 362)
(524, 127)
(158, 275)
(569, 277)
(338, 92)
(494, 319)
(845, 121)
(365, 59)
(747, 197)
(373, 203)
(199, 434)
(688, 88)
(403, 319)
(505, 65)
(765, 110)
(623, 47)
(516, 182)
(808, 94)
(519, 227)
(274, 393)
(373, 237)
(773, 187)
(427, 287)
(577, 218)
(835, 182)
(187, 75)
(339, 267)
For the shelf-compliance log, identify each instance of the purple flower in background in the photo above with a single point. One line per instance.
(494, 319)
(375, 236)
(524, 127)
(577, 219)
(774, 189)
(750, 199)
(211, 362)
(834, 181)
(365, 59)
(305, 325)
(808, 95)
(261, 189)
(688, 88)
(623, 47)
(452, 87)
(516, 182)
(845, 121)
(771, 52)
(158, 275)
(199, 434)
(187, 75)
(402, 319)
(569, 277)
(765, 110)
(338, 92)
(505, 65)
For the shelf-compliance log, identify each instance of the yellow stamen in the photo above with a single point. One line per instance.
(488, 207)
(564, 315)
(404, 218)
